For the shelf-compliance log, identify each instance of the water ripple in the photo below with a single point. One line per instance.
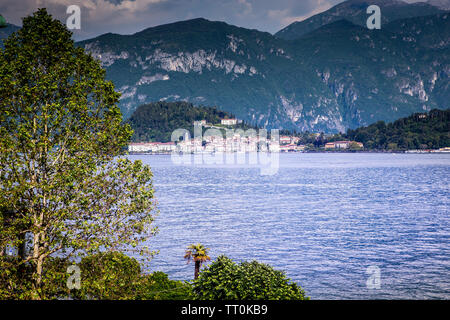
(323, 218)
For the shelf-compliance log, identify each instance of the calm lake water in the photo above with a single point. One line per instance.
(322, 218)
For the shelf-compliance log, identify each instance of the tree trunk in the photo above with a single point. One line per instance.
(21, 250)
(21, 253)
(37, 279)
(37, 267)
(197, 269)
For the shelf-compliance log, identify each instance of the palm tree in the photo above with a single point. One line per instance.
(199, 254)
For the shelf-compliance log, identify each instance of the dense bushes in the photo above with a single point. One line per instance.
(114, 275)
(157, 286)
(226, 280)
(109, 276)
(15, 280)
(117, 276)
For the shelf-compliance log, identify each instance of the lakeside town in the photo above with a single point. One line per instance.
(239, 141)
(248, 141)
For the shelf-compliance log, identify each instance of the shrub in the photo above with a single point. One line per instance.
(225, 280)
(108, 276)
(158, 286)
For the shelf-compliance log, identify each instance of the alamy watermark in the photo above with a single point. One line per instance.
(74, 20)
(374, 280)
(374, 21)
(227, 147)
(74, 280)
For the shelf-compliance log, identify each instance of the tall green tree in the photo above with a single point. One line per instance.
(199, 254)
(64, 186)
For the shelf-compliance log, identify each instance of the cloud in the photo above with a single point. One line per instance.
(247, 6)
(130, 16)
(287, 16)
(97, 16)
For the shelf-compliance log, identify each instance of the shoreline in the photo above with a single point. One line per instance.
(298, 152)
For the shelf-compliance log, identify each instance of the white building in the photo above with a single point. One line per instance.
(165, 146)
(140, 147)
(342, 144)
(200, 123)
(228, 122)
(288, 147)
(285, 140)
(152, 147)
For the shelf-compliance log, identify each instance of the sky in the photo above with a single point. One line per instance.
(130, 16)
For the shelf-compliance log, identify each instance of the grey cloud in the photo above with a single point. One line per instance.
(130, 16)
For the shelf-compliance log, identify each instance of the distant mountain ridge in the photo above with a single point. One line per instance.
(441, 4)
(355, 12)
(338, 76)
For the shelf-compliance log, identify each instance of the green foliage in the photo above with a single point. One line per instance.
(199, 254)
(54, 278)
(156, 121)
(354, 146)
(104, 276)
(158, 286)
(108, 276)
(114, 276)
(225, 280)
(64, 187)
(419, 131)
(15, 280)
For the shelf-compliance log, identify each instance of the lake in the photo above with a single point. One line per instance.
(323, 218)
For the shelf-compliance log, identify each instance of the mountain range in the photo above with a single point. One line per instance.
(355, 12)
(327, 73)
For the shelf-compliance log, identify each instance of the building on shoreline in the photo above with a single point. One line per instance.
(229, 122)
(440, 150)
(210, 144)
(200, 123)
(285, 140)
(342, 144)
(154, 147)
(236, 143)
(291, 148)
